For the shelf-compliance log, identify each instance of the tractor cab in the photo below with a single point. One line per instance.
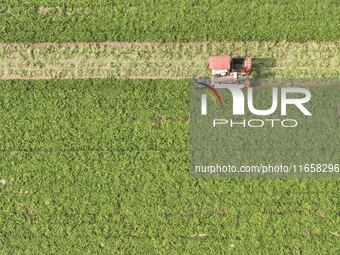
(228, 67)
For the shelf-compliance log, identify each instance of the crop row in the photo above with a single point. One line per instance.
(163, 61)
(184, 20)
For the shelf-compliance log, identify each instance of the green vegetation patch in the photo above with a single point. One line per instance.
(102, 166)
(165, 20)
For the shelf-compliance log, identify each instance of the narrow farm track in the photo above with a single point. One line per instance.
(151, 60)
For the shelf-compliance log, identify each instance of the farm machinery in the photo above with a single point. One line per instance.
(227, 71)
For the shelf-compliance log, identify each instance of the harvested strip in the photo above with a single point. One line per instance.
(150, 60)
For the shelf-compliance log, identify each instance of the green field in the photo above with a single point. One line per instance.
(101, 166)
(95, 122)
(165, 20)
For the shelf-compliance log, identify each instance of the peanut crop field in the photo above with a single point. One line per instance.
(150, 20)
(94, 128)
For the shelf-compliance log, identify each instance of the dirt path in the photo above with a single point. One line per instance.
(150, 60)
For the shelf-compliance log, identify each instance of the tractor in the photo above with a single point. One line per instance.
(228, 67)
(227, 71)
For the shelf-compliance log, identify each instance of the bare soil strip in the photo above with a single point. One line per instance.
(151, 60)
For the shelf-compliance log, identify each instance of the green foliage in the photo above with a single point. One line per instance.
(165, 20)
(101, 166)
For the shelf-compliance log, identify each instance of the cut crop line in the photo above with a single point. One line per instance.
(170, 61)
(111, 68)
